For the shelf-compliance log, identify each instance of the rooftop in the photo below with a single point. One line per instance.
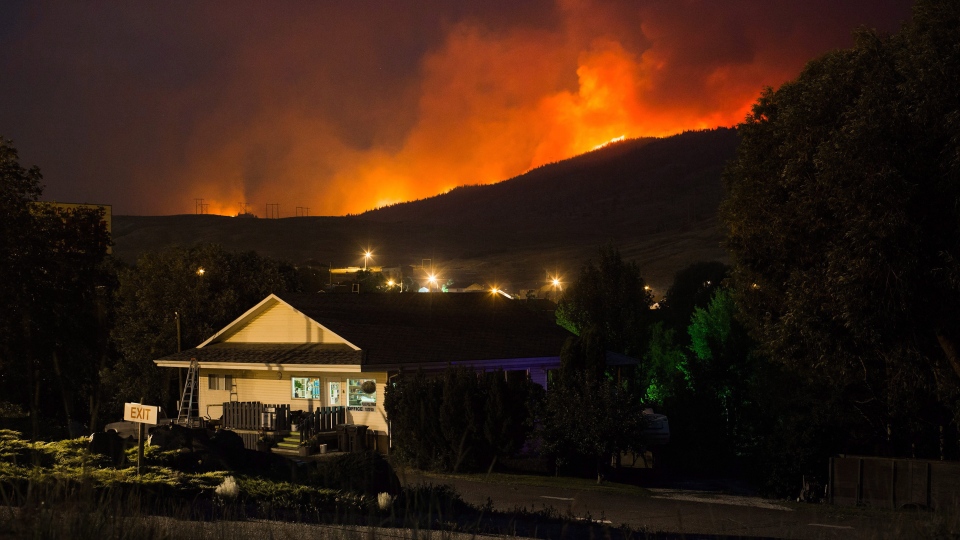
(393, 330)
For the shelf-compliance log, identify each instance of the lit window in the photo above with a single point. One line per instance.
(299, 387)
(361, 392)
(305, 388)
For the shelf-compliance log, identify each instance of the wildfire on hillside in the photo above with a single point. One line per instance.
(339, 108)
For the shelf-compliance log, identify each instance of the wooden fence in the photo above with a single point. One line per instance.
(894, 483)
(321, 420)
(255, 415)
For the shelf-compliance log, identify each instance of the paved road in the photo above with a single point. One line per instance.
(696, 512)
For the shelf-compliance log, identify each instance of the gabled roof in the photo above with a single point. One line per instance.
(314, 332)
(420, 328)
(271, 353)
(388, 331)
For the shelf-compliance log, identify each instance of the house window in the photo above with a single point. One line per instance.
(361, 392)
(220, 382)
(305, 388)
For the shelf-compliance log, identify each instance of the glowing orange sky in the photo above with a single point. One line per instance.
(341, 109)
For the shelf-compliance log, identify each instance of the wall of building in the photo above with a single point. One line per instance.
(281, 324)
(277, 387)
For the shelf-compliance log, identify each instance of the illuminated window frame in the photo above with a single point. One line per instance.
(305, 388)
(356, 397)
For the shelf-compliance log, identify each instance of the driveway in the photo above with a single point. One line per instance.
(694, 512)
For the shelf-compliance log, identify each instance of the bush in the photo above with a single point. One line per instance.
(423, 504)
(459, 421)
(367, 473)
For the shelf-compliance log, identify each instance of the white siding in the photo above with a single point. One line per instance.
(275, 387)
(281, 324)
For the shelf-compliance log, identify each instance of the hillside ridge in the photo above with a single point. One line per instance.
(655, 199)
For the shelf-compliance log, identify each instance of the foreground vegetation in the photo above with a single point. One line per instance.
(63, 490)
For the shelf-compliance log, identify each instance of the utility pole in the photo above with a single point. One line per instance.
(176, 317)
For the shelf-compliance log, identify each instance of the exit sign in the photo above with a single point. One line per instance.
(145, 414)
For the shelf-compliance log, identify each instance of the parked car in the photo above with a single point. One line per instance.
(127, 429)
(657, 430)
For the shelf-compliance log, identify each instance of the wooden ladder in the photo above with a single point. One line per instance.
(188, 402)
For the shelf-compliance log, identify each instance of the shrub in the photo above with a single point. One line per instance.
(228, 489)
(459, 421)
(367, 473)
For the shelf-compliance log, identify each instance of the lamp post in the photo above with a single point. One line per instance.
(366, 255)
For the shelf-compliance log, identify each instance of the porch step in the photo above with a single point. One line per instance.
(290, 442)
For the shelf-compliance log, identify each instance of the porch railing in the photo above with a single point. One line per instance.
(322, 419)
(255, 415)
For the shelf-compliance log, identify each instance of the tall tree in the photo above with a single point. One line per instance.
(204, 288)
(610, 296)
(692, 287)
(843, 220)
(588, 414)
(460, 420)
(54, 286)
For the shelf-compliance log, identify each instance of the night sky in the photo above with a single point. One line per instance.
(346, 106)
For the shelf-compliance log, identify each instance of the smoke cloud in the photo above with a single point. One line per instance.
(341, 107)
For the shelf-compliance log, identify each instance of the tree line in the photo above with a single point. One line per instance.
(79, 329)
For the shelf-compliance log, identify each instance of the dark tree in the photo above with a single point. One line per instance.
(206, 287)
(611, 297)
(692, 288)
(506, 423)
(459, 420)
(843, 220)
(412, 403)
(370, 281)
(588, 415)
(54, 286)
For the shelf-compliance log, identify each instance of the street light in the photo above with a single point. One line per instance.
(432, 280)
(201, 271)
(366, 255)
